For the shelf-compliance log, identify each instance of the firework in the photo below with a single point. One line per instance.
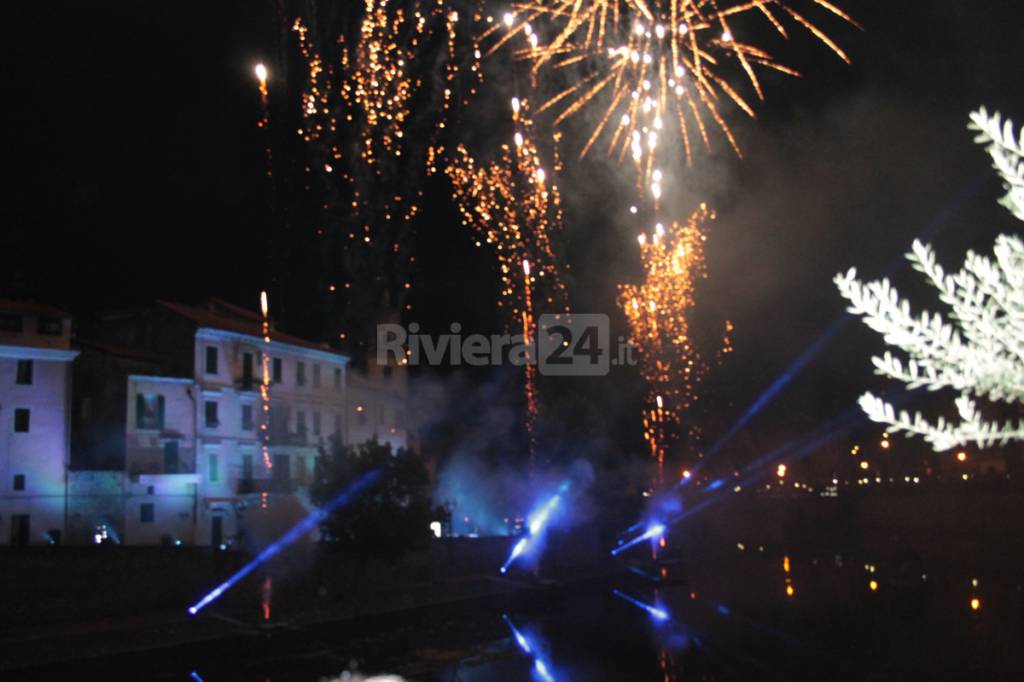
(513, 207)
(654, 63)
(370, 109)
(265, 383)
(657, 311)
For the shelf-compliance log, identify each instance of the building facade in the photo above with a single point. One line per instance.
(35, 394)
(196, 469)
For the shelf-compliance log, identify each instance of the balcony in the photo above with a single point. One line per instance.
(251, 384)
(250, 486)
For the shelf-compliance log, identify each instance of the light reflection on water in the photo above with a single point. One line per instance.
(752, 614)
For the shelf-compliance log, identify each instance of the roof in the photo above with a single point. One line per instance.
(243, 322)
(31, 308)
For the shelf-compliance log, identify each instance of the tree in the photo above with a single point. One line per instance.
(979, 352)
(388, 518)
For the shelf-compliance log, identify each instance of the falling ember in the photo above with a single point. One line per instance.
(645, 63)
(514, 208)
(670, 362)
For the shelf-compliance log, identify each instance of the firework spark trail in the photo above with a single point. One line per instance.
(370, 116)
(652, 64)
(265, 383)
(260, 70)
(658, 314)
(513, 207)
(529, 369)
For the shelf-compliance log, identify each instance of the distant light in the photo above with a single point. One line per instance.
(785, 564)
(435, 528)
(885, 445)
(975, 603)
(961, 456)
(509, 19)
(726, 37)
(789, 590)
(780, 471)
(261, 72)
(864, 464)
(686, 473)
(873, 585)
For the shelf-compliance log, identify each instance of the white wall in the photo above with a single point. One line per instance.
(41, 454)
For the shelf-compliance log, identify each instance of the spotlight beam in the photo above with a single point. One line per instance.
(935, 225)
(297, 531)
(655, 612)
(654, 531)
(537, 525)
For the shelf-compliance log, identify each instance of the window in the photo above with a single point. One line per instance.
(214, 467)
(247, 417)
(316, 423)
(146, 512)
(211, 359)
(278, 371)
(19, 481)
(149, 411)
(337, 378)
(246, 370)
(247, 467)
(211, 414)
(300, 374)
(21, 419)
(316, 376)
(52, 326)
(300, 421)
(24, 374)
(171, 457)
(10, 322)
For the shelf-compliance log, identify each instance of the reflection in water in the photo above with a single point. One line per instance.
(720, 619)
(541, 669)
(266, 591)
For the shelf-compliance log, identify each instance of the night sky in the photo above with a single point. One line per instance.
(135, 172)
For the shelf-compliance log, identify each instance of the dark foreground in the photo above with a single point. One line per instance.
(847, 618)
(914, 594)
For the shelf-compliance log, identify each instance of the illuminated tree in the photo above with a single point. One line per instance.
(979, 351)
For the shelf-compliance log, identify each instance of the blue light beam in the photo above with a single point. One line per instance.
(297, 531)
(937, 223)
(537, 524)
(656, 613)
(540, 666)
(654, 531)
